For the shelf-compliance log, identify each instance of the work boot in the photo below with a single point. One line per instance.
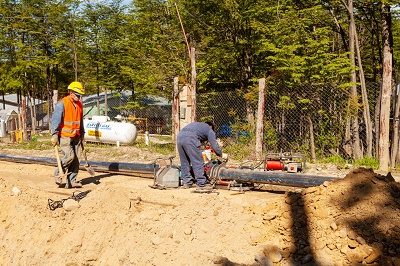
(205, 187)
(185, 186)
(73, 185)
(58, 180)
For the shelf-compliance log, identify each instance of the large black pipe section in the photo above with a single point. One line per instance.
(217, 172)
(136, 169)
(220, 172)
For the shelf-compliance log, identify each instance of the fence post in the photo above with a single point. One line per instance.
(175, 111)
(260, 118)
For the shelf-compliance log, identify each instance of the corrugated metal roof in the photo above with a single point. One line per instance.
(124, 95)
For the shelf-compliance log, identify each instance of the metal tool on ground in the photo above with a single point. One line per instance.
(205, 191)
(59, 178)
(55, 204)
(166, 176)
(87, 165)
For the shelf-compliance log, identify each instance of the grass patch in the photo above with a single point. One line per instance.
(337, 160)
(368, 162)
(163, 148)
(34, 144)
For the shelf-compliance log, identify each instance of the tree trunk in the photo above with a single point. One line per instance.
(395, 138)
(312, 142)
(357, 153)
(364, 96)
(376, 120)
(383, 151)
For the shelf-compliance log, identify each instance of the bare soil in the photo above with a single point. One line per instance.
(119, 220)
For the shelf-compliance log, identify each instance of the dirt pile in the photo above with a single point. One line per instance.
(352, 221)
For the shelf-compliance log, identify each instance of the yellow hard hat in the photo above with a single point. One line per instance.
(76, 87)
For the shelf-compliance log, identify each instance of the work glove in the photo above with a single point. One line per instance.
(225, 156)
(82, 137)
(54, 140)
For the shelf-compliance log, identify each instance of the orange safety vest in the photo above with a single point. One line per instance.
(72, 118)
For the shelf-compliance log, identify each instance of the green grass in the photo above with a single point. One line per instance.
(368, 162)
(34, 144)
(163, 148)
(337, 160)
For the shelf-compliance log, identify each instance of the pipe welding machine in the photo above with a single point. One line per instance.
(168, 176)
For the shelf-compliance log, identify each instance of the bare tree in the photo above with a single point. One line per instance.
(355, 127)
(383, 149)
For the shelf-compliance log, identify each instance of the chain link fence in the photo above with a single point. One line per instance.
(152, 114)
(295, 118)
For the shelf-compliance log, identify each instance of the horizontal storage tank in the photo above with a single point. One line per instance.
(103, 131)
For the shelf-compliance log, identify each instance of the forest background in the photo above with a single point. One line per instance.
(142, 45)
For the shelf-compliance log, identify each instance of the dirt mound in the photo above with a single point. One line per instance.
(350, 221)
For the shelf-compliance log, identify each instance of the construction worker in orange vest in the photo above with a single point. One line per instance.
(68, 129)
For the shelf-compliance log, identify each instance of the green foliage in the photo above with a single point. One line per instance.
(341, 162)
(270, 137)
(242, 130)
(285, 103)
(239, 151)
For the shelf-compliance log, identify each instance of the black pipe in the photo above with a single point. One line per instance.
(123, 168)
(220, 172)
(217, 172)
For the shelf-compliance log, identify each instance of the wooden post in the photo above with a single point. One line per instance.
(23, 118)
(193, 81)
(175, 111)
(260, 118)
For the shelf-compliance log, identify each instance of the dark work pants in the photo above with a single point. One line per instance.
(189, 149)
(70, 148)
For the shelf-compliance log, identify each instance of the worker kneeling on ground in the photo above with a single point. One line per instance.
(189, 143)
(68, 129)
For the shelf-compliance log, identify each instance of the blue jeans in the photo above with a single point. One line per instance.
(189, 149)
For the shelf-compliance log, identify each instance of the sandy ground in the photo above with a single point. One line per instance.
(119, 220)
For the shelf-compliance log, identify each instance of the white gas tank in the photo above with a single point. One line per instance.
(99, 129)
